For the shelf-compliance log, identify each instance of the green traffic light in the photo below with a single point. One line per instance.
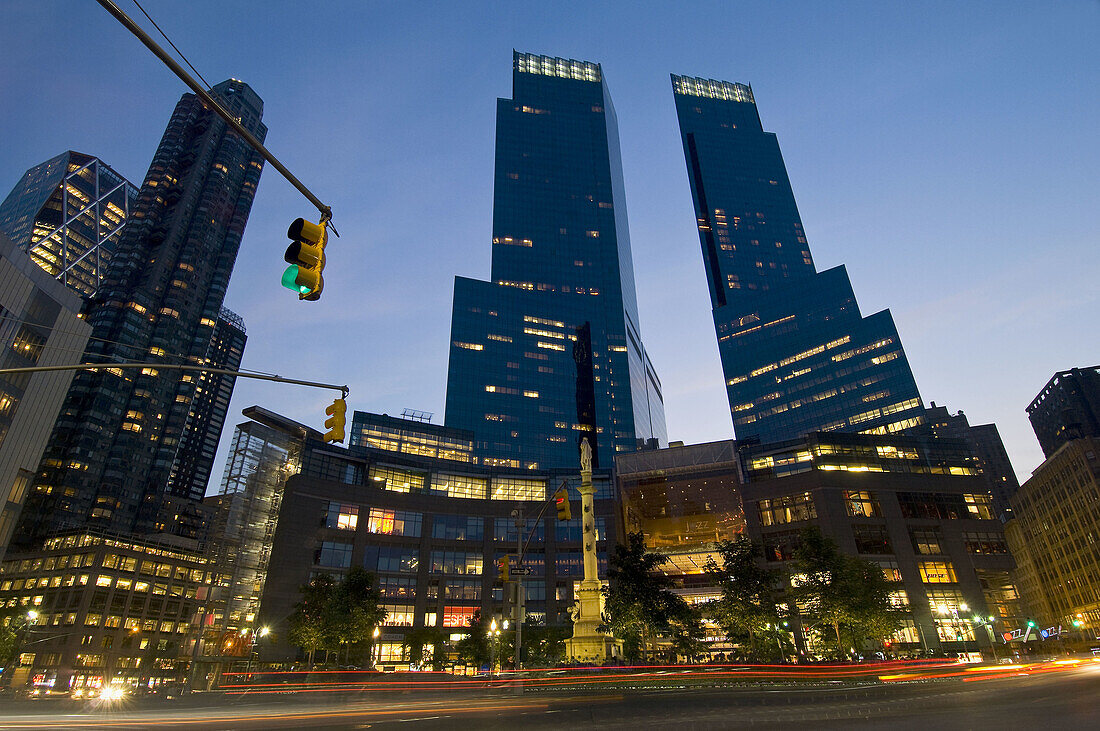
(290, 280)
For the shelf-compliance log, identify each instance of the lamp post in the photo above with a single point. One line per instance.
(494, 640)
(376, 651)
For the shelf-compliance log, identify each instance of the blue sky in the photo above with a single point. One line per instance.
(945, 152)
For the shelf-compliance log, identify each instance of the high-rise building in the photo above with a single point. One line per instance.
(550, 350)
(1067, 408)
(68, 214)
(1053, 538)
(39, 326)
(114, 445)
(796, 353)
(985, 442)
(195, 457)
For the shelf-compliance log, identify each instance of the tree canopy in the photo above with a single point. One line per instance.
(334, 616)
(845, 595)
(639, 602)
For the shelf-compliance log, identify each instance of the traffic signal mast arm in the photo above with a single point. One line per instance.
(210, 101)
(173, 367)
(552, 499)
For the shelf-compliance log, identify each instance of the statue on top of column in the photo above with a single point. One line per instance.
(586, 456)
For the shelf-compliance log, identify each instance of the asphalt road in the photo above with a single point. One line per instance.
(1063, 700)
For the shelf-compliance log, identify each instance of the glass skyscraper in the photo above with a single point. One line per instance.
(113, 447)
(550, 350)
(796, 353)
(68, 214)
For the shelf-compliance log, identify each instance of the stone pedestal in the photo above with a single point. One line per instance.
(587, 644)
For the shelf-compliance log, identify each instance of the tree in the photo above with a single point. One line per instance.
(747, 610)
(13, 629)
(336, 615)
(308, 628)
(542, 645)
(841, 592)
(474, 648)
(419, 638)
(352, 611)
(639, 603)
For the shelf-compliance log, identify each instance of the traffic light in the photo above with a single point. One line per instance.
(561, 498)
(503, 563)
(306, 256)
(335, 422)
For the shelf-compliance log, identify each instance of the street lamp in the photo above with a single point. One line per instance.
(377, 648)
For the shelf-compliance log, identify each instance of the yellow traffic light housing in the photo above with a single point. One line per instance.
(306, 256)
(561, 499)
(336, 421)
(503, 565)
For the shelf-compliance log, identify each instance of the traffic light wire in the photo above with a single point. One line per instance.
(173, 45)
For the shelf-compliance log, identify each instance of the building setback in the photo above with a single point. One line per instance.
(550, 350)
(916, 506)
(112, 450)
(1067, 408)
(39, 326)
(796, 353)
(68, 214)
(985, 442)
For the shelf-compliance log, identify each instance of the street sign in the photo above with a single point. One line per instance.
(522, 570)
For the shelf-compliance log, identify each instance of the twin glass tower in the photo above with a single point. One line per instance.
(550, 349)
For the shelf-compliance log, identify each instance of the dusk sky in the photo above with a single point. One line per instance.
(947, 153)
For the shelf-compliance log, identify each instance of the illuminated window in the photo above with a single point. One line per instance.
(397, 480)
(343, 517)
(508, 488)
(979, 506)
(787, 509)
(394, 522)
(398, 615)
(936, 572)
(460, 486)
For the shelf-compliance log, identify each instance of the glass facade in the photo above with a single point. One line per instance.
(209, 406)
(109, 459)
(550, 349)
(796, 353)
(68, 214)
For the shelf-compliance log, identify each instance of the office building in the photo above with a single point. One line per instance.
(550, 349)
(430, 528)
(1053, 538)
(68, 214)
(1067, 408)
(39, 326)
(112, 450)
(195, 456)
(915, 505)
(104, 610)
(797, 354)
(985, 443)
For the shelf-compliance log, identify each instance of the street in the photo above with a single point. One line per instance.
(1068, 698)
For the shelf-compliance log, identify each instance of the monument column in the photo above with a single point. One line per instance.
(587, 644)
